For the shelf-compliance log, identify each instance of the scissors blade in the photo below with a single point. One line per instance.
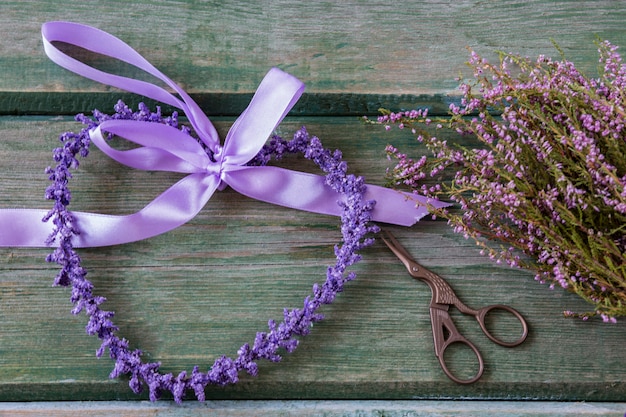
(399, 250)
(443, 294)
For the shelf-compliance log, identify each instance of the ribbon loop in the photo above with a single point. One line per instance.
(98, 41)
(276, 95)
(164, 148)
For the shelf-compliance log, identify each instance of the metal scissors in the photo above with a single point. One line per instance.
(445, 332)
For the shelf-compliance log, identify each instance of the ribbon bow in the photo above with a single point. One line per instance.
(164, 148)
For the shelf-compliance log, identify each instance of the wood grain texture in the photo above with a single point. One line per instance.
(206, 288)
(352, 47)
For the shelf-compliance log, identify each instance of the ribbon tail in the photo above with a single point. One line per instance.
(309, 192)
(274, 98)
(173, 208)
(399, 207)
(24, 227)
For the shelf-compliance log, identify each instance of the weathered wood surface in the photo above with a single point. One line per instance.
(353, 48)
(314, 408)
(208, 287)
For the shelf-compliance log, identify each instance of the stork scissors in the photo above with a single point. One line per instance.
(445, 332)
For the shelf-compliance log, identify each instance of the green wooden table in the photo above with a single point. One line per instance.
(206, 288)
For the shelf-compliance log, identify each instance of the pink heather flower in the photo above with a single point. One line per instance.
(550, 178)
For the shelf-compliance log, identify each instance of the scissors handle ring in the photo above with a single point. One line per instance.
(482, 314)
(442, 362)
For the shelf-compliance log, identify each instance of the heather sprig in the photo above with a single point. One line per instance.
(546, 190)
(267, 345)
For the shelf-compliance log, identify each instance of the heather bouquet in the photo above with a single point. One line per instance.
(545, 188)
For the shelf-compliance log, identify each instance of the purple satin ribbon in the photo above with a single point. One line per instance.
(164, 148)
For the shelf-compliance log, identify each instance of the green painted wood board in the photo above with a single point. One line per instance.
(206, 288)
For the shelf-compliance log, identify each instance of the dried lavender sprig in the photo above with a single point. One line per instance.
(550, 180)
(296, 322)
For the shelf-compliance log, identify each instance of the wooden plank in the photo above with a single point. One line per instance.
(317, 408)
(20, 103)
(206, 288)
(347, 47)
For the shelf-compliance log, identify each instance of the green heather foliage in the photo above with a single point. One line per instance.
(545, 191)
